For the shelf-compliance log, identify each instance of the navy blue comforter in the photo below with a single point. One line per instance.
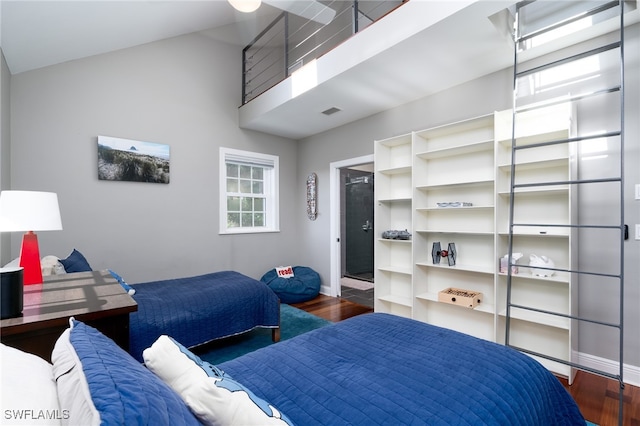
(199, 309)
(388, 370)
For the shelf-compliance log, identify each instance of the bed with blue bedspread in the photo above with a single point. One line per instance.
(367, 370)
(388, 370)
(199, 309)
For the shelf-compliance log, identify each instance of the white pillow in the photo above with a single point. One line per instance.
(51, 266)
(73, 389)
(214, 398)
(29, 394)
(13, 264)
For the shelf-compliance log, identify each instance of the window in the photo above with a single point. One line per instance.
(248, 192)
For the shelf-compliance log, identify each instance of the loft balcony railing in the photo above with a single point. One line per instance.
(291, 41)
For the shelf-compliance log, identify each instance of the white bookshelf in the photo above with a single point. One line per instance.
(393, 211)
(470, 161)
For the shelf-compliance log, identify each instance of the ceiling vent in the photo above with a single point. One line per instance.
(331, 110)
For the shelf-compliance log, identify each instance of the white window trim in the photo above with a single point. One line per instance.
(271, 189)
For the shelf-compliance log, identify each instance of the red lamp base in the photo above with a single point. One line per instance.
(30, 259)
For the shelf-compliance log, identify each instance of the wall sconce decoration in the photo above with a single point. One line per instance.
(312, 196)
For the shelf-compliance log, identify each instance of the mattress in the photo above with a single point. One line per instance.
(196, 310)
(384, 369)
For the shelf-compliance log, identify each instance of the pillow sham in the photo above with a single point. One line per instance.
(29, 394)
(215, 398)
(130, 290)
(73, 389)
(113, 388)
(75, 262)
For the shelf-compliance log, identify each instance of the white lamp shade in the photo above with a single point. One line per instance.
(246, 6)
(29, 211)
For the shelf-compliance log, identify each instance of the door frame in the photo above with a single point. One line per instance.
(334, 219)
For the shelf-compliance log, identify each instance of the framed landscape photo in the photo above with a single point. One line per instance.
(133, 161)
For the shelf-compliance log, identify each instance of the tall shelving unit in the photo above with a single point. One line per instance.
(468, 162)
(588, 77)
(553, 209)
(455, 163)
(393, 270)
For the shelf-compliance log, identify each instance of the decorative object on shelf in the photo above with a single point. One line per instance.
(504, 263)
(29, 211)
(454, 204)
(538, 265)
(396, 235)
(437, 253)
(312, 196)
(133, 161)
(460, 297)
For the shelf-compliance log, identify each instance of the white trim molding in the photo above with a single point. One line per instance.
(631, 373)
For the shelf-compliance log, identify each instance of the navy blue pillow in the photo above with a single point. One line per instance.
(76, 262)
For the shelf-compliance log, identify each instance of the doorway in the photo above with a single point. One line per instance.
(357, 233)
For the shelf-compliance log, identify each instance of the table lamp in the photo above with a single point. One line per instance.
(29, 211)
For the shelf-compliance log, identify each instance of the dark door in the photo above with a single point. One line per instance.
(359, 225)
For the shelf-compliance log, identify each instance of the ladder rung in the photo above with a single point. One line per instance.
(558, 314)
(553, 225)
(571, 271)
(569, 140)
(571, 98)
(591, 12)
(568, 59)
(569, 363)
(565, 182)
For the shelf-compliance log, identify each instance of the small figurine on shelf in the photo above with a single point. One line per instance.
(437, 253)
(539, 265)
(396, 235)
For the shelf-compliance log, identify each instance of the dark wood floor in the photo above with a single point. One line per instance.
(596, 396)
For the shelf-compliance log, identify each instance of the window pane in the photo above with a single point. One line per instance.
(245, 186)
(232, 170)
(257, 173)
(248, 196)
(245, 172)
(247, 204)
(247, 219)
(233, 220)
(233, 204)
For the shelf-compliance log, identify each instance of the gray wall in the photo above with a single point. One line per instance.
(5, 145)
(475, 98)
(183, 92)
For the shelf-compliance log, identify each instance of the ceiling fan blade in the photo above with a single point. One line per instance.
(310, 9)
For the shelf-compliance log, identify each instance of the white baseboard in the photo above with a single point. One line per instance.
(631, 373)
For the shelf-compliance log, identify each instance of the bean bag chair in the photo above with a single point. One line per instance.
(303, 286)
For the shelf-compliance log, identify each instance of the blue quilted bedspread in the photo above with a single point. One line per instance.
(388, 370)
(199, 309)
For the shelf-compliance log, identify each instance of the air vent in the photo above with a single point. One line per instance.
(331, 110)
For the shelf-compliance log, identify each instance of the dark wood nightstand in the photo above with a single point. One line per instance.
(94, 298)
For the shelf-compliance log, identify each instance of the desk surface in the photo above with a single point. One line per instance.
(90, 295)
